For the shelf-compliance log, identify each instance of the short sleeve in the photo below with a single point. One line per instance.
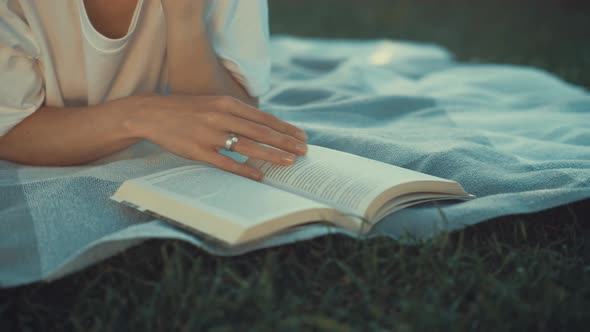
(21, 84)
(240, 37)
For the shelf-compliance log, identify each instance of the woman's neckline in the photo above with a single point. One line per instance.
(100, 41)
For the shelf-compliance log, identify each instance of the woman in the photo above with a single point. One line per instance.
(82, 79)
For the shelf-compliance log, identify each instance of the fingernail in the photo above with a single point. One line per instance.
(301, 148)
(256, 175)
(301, 135)
(288, 159)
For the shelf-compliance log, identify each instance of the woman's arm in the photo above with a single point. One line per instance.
(69, 136)
(193, 66)
(193, 127)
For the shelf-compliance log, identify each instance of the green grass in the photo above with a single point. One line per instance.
(540, 33)
(520, 273)
(517, 273)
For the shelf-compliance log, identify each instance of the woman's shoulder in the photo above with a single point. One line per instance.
(15, 32)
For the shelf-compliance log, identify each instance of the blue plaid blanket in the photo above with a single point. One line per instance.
(517, 137)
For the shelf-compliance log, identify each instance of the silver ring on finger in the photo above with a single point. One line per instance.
(231, 140)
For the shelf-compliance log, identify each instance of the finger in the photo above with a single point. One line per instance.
(259, 133)
(227, 164)
(251, 148)
(245, 111)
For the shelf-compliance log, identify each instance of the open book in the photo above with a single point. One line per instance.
(325, 185)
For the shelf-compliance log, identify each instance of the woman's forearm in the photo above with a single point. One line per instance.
(70, 136)
(193, 66)
(192, 127)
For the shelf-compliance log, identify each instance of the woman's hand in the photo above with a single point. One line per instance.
(196, 127)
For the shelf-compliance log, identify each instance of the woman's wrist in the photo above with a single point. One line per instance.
(138, 116)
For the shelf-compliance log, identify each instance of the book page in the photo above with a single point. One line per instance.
(237, 198)
(345, 181)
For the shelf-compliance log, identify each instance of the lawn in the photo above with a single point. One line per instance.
(529, 272)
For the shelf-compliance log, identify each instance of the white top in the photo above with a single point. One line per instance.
(50, 53)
